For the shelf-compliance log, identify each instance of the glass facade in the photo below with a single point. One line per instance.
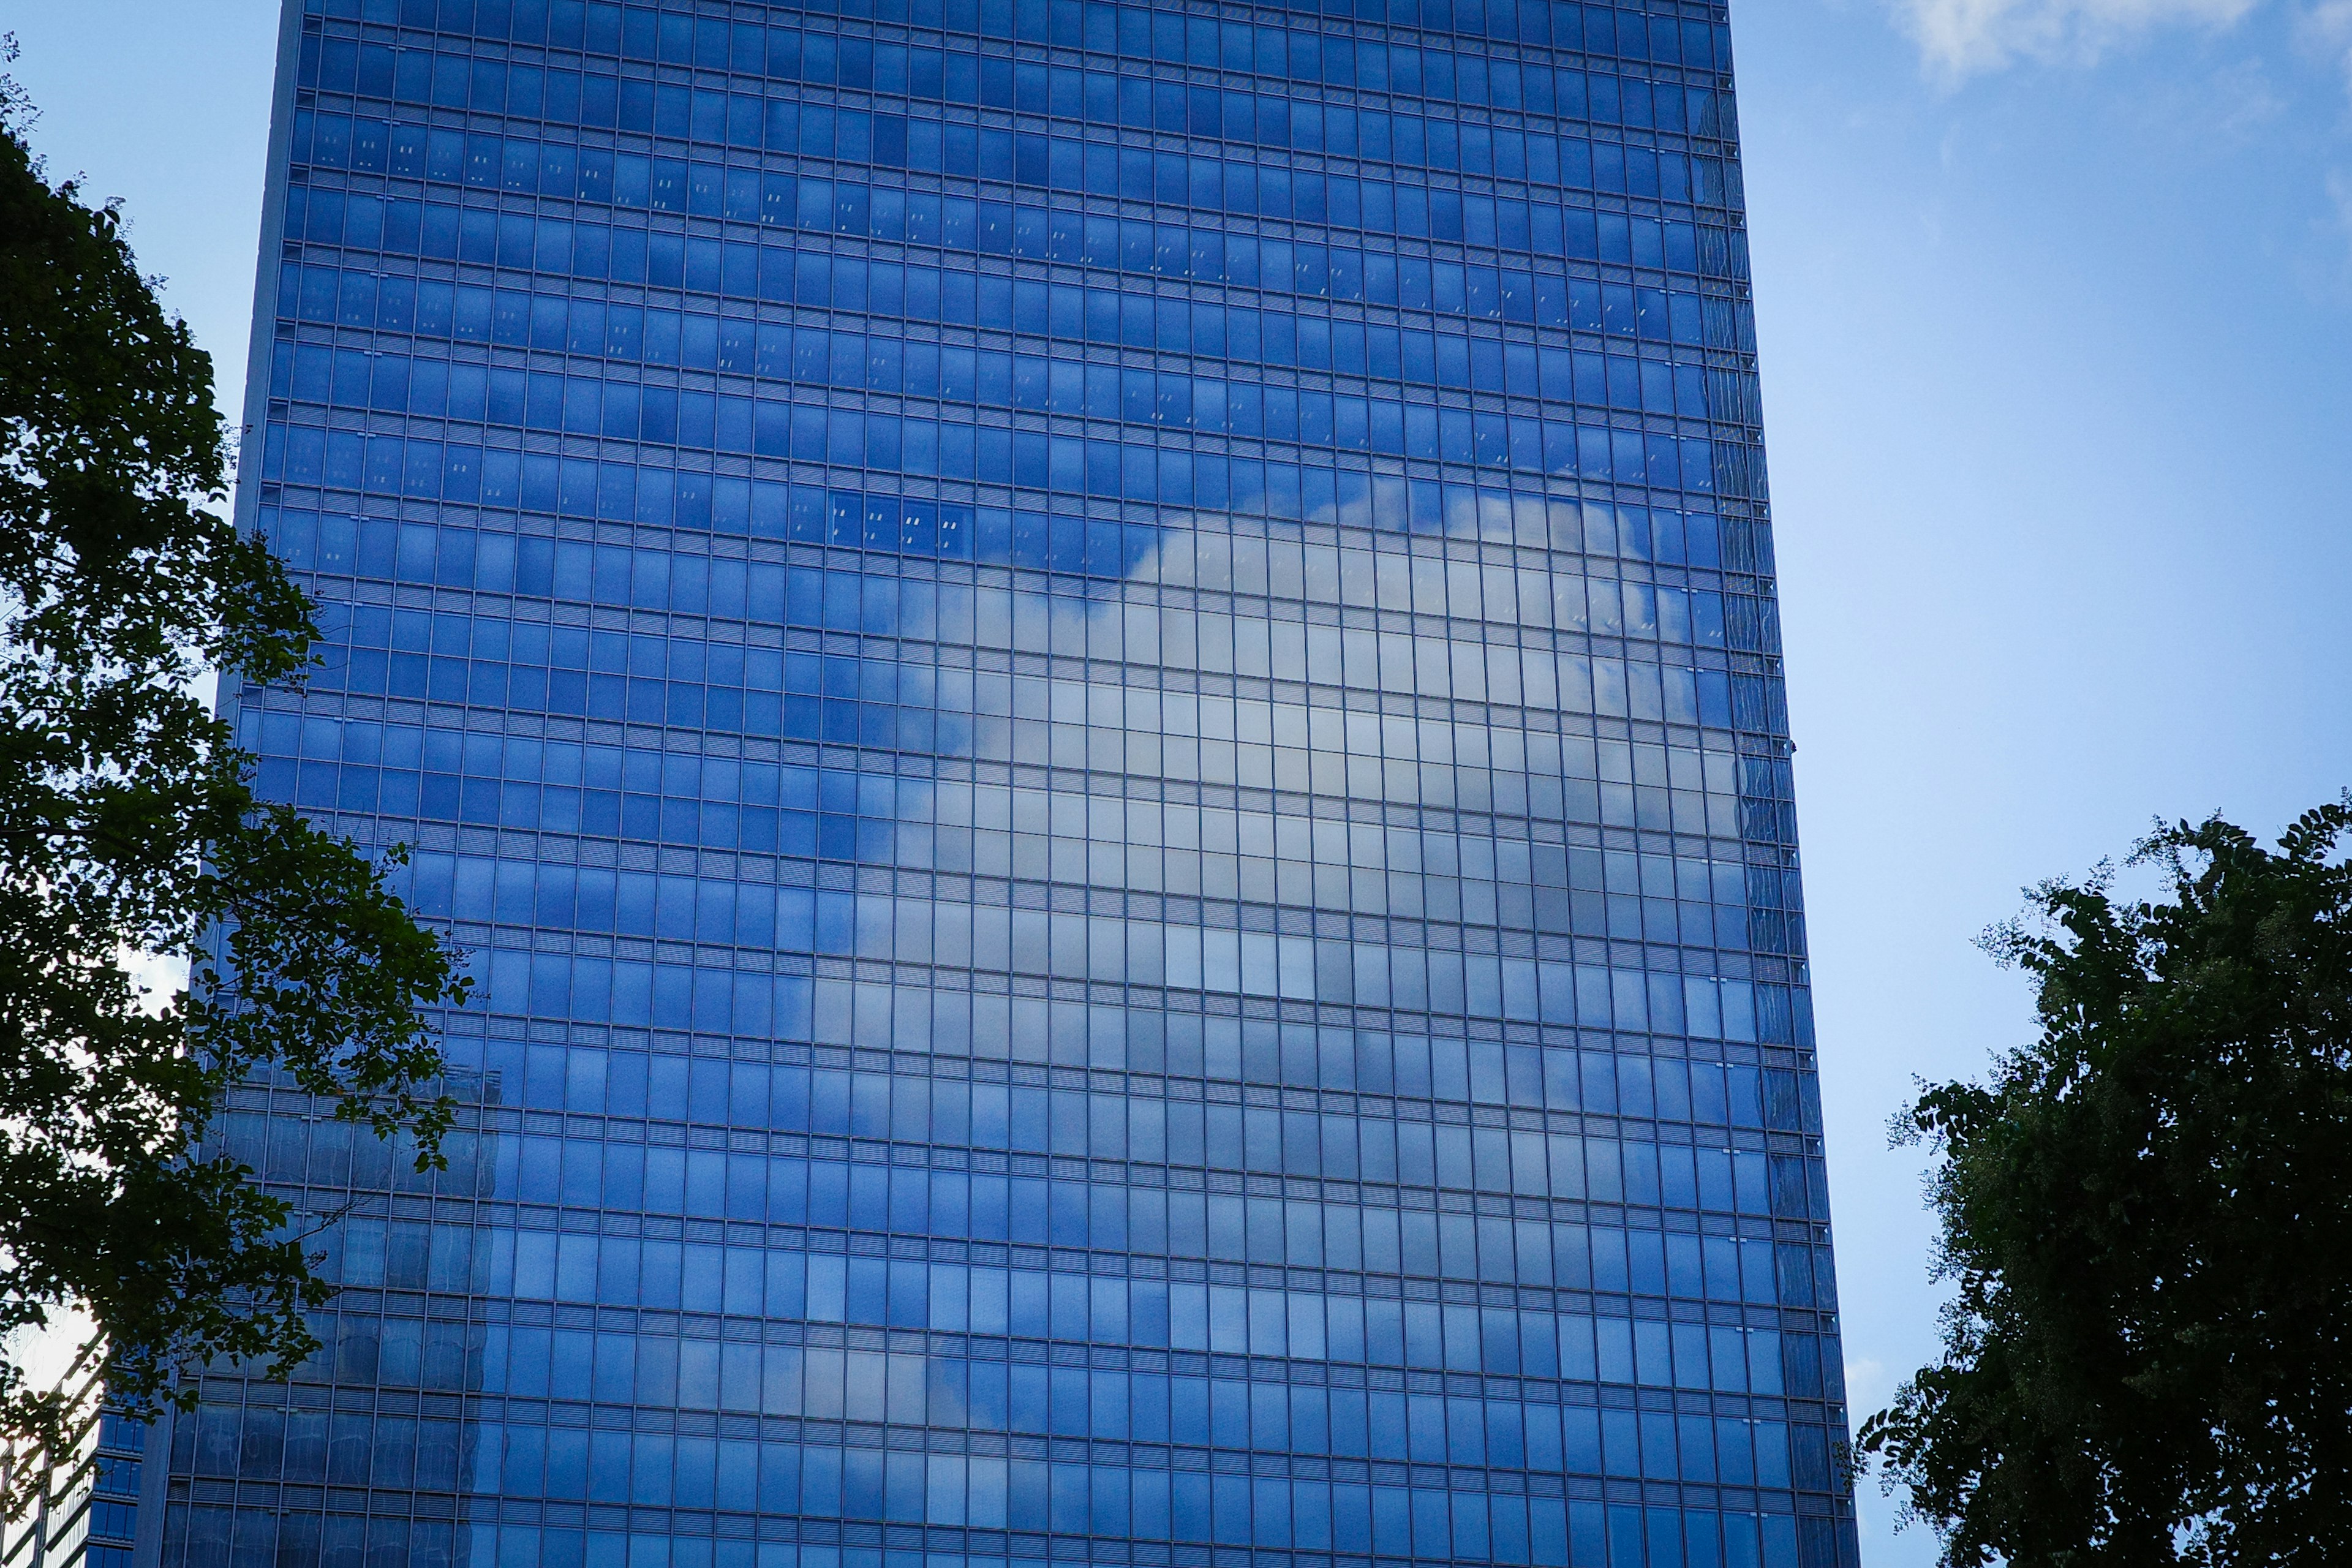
(76, 1505)
(1098, 687)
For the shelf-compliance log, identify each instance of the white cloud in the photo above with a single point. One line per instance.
(1867, 1385)
(2339, 196)
(2326, 27)
(1960, 38)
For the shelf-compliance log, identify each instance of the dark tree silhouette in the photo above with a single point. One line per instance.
(2148, 1217)
(129, 834)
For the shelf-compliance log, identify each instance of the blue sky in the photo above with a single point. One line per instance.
(2054, 299)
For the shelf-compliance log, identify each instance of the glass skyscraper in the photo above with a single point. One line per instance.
(1098, 686)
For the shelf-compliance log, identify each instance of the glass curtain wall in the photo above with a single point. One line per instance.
(1098, 688)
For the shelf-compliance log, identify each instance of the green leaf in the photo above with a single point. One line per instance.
(2146, 1217)
(127, 828)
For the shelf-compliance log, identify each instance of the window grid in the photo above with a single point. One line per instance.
(1098, 691)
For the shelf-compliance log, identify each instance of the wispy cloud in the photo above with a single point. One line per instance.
(1867, 1384)
(2339, 198)
(1960, 38)
(2326, 29)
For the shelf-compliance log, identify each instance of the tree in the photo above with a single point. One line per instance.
(129, 834)
(2148, 1216)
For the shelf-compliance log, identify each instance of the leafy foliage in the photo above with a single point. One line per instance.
(129, 835)
(2148, 1217)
